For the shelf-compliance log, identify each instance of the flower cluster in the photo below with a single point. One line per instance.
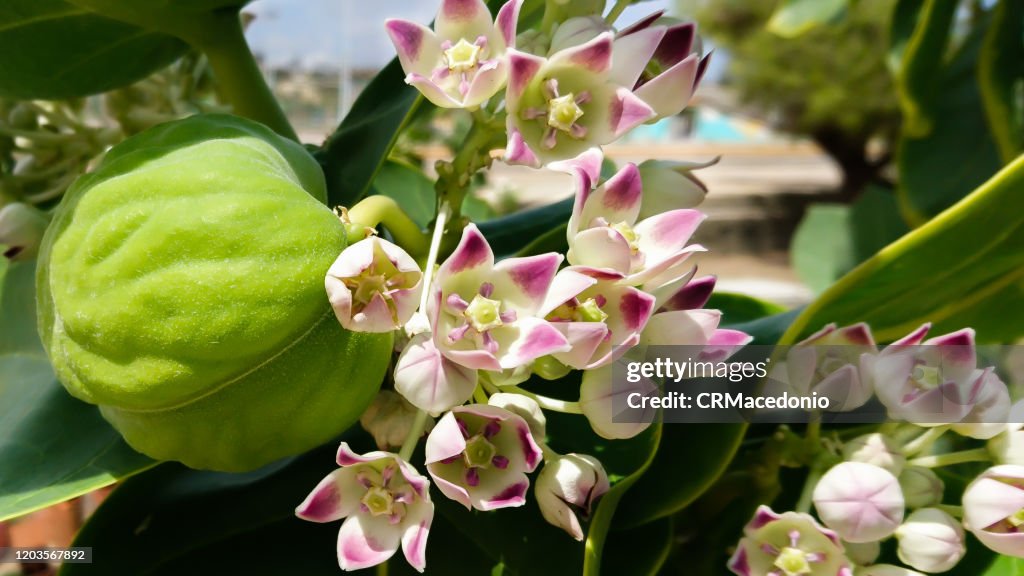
(474, 328)
(885, 485)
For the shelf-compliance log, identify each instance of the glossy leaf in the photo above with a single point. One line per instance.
(794, 17)
(833, 238)
(414, 192)
(1001, 76)
(1006, 566)
(951, 267)
(922, 61)
(737, 307)
(353, 155)
(689, 460)
(948, 150)
(901, 28)
(510, 234)
(641, 551)
(53, 447)
(54, 49)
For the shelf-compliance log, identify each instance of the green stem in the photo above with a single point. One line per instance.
(418, 426)
(975, 455)
(924, 441)
(455, 177)
(616, 11)
(239, 78)
(807, 494)
(952, 510)
(553, 404)
(374, 210)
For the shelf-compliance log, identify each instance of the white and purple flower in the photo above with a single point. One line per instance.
(568, 488)
(386, 505)
(560, 107)
(463, 61)
(994, 509)
(374, 286)
(788, 544)
(861, 502)
(479, 456)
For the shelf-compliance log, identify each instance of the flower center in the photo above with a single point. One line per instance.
(462, 56)
(479, 452)
(563, 112)
(368, 285)
(632, 238)
(793, 562)
(1017, 520)
(575, 311)
(379, 501)
(926, 377)
(483, 313)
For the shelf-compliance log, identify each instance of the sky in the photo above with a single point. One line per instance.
(313, 33)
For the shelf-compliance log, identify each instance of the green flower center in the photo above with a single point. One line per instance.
(632, 238)
(479, 452)
(462, 56)
(589, 311)
(926, 377)
(379, 501)
(793, 562)
(483, 313)
(1017, 520)
(563, 112)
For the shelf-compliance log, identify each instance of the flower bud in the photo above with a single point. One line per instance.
(389, 419)
(21, 231)
(1008, 447)
(374, 286)
(994, 509)
(860, 501)
(862, 553)
(876, 449)
(931, 540)
(567, 489)
(524, 407)
(921, 487)
(789, 543)
(671, 185)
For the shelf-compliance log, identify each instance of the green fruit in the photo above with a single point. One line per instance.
(181, 289)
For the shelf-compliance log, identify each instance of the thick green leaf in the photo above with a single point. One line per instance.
(355, 152)
(950, 150)
(794, 17)
(1001, 77)
(833, 238)
(53, 447)
(689, 460)
(741, 307)
(53, 49)
(822, 247)
(901, 29)
(639, 552)
(510, 234)
(953, 266)
(1006, 566)
(923, 54)
(644, 448)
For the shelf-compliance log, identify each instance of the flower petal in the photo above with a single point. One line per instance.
(505, 22)
(524, 282)
(335, 497)
(518, 152)
(533, 338)
(693, 295)
(567, 284)
(366, 541)
(664, 235)
(418, 48)
(599, 396)
(681, 328)
(487, 82)
(600, 248)
(588, 162)
(431, 91)
(417, 523)
(584, 339)
(522, 68)
(473, 252)
(617, 200)
(676, 45)
(463, 19)
(670, 92)
(627, 111)
(430, 381)
(445, 440)
(632, 53)
(594, 56)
